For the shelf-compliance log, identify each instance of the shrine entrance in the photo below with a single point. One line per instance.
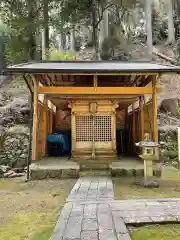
(93, 101)
(93, 126)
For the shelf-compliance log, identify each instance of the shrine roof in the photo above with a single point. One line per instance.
(90, 67)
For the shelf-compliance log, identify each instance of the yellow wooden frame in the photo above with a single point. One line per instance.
(35, 119)
(97, 90)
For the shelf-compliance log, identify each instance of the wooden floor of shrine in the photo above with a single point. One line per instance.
(62, 167)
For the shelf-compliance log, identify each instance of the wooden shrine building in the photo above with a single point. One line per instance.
(93, 100)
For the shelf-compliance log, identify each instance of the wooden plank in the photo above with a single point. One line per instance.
(45, 109)
(35, 119)
(154, 110)
(133, 125)
(141, 117)
(95, 81)
(73, 131)
(50, 121)
(95, 91)
(114, 132)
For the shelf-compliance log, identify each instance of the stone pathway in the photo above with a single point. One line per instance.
(92, 189)
(91, 213)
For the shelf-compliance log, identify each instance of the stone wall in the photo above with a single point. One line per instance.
(16, 144)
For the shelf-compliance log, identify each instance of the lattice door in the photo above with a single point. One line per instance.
(84, 131)
(97, 129)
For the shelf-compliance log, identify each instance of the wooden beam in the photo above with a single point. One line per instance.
(95, 91)
(45, 132)
(141, 108)
(154, 109)
(133, 125)
(35, 119)
(50, 122)
(95, 81)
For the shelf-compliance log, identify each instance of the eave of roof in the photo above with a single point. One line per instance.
(91, 67)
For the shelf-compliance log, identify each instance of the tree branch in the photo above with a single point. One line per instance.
(103, 10)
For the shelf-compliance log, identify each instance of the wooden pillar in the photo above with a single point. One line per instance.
(73, 131)
(154, 113)
(45, 126)
(35, 119)
(141, 108)
(154, 109)
(126, 118)
(133, 126)
(114, 131)
(95, 81)
(50, 121)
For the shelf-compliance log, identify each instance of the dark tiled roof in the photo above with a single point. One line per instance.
(90, 67)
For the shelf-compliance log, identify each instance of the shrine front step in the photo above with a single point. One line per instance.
(94, 173)
(93, 165)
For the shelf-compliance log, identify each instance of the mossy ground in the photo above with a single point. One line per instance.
(30, 210)
(156, 232)
(126, 188)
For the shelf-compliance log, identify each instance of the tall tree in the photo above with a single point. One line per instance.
(148, 17)
(45, 32)
(171, 30)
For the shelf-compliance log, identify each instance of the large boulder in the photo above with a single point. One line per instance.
(16, 146)
(169, 105)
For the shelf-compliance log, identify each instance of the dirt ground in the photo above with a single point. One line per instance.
(30, 210)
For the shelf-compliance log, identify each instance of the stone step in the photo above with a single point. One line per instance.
(101, 173)
(91, 165)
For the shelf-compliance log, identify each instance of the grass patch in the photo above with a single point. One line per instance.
(157, 232)
(30, 210)
(170, 173)
(43, 234)
(126, 188)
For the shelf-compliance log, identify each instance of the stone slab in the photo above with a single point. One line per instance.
(91, 214)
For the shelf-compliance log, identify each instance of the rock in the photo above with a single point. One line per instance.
(24, 156)
(149, 184)
(18, 152)
(70, 173)
(19, 129)
(38, 174)
(169, 105)
(55, 174)
(9, 173)
(15, 151)
(18, 170)
(4, 169)
(13, 175)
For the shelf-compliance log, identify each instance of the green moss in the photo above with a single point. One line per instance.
(43, 234)
(158, 232)
(126, 188)
(35, 209)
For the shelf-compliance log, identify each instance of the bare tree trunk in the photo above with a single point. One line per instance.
(60, 42)
(67, 41)
(95, 36)
(45, 35)
(104, 28)
(148, 16)
(171, 31)
(106, 23)
(31, 30)
(72, 44)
